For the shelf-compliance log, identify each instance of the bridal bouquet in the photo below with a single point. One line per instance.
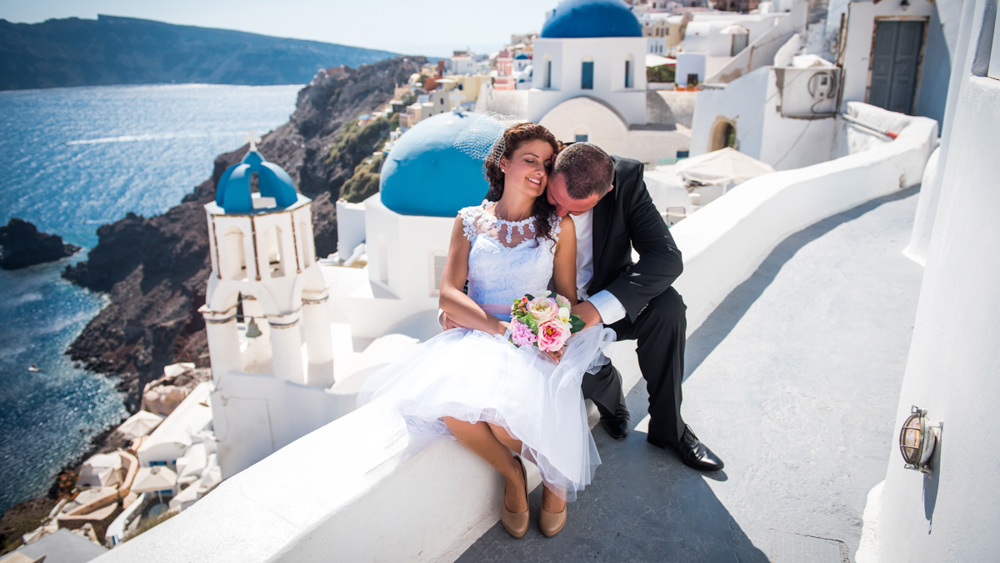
(544, 321)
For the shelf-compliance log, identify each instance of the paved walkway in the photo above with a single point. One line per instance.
(794, 382)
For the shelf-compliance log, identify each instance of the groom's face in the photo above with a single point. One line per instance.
(564, 204)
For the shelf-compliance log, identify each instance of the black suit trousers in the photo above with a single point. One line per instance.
(660, 334)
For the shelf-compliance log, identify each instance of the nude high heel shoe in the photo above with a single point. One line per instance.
(550, 523)
(517, 522)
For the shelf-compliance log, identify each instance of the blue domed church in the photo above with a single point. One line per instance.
(434, 170)
(589, 81)
(593, 49)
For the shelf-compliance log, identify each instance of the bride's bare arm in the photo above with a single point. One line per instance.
(459, 308)
(564, 267)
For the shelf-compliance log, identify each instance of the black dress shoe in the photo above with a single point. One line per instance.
(616, 424)
(692, 452)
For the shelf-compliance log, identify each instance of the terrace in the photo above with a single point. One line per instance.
(800, 307)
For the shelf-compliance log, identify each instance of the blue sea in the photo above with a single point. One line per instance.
(76, 158)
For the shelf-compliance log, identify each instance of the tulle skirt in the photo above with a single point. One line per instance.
(473, 376)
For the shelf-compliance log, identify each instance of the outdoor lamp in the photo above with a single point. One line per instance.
(917, 440)
(252, 330)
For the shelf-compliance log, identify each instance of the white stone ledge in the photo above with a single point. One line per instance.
(337, 493)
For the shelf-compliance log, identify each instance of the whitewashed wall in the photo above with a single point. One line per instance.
(401, 267)
(752, 103)
(690, 63)
(606, 129)
(764, 47)
(951, 515)
(702, 33)
(742, 101)
(340, 489)
(860, 38)
(609, 55)
(350, 227)
(257, 414)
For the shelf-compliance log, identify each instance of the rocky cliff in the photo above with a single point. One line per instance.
(155, 269)
(22, 245)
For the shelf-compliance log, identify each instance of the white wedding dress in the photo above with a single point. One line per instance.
(474, 376)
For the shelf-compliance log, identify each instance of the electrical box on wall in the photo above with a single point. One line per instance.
(808, 92)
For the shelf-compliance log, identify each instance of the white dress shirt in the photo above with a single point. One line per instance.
(607, 305)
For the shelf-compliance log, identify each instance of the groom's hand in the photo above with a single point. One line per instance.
(587, 312)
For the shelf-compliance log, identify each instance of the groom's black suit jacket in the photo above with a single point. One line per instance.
(626, 218)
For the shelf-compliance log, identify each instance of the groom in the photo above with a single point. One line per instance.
(613, 212)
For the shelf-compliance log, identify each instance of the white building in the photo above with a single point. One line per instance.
(591, 48)
(267, 316)
(407, 231)
(782, 109)
(949, 513)
(589, 83)
(713, 39)
(663, 32)
(896, 55)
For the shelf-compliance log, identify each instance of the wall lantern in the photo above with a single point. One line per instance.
(917, 439)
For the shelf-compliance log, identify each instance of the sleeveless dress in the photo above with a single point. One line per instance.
(474, 376)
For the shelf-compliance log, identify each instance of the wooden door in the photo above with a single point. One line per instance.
(895, 64)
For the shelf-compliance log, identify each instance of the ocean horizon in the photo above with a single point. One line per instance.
(80, 158)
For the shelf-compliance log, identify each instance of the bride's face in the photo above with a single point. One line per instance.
(528, 167)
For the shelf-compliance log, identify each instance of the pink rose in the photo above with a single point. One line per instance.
(552, 335)
(520, 334)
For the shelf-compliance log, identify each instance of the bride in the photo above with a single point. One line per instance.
(470, 382)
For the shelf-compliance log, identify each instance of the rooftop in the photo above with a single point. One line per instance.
(793, 380)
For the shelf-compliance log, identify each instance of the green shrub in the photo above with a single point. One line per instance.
(365, 181)
(662, 73)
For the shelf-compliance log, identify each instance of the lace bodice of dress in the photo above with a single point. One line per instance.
(500, 271)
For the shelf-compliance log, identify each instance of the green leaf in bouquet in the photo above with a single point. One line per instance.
(576, 324)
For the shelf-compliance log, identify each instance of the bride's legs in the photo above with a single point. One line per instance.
(512, 443)
(480, 440)
(553, 498)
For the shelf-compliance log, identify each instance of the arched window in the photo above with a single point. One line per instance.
(548, 71)
(629, 72)
(723, 134)
(587, 73)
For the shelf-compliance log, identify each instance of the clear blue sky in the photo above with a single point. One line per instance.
(426, 27)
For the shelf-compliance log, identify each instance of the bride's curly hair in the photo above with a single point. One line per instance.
(512, 139)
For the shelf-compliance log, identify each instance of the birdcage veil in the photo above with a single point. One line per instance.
(484, 138)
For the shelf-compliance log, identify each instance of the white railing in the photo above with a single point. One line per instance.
(341, 493)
